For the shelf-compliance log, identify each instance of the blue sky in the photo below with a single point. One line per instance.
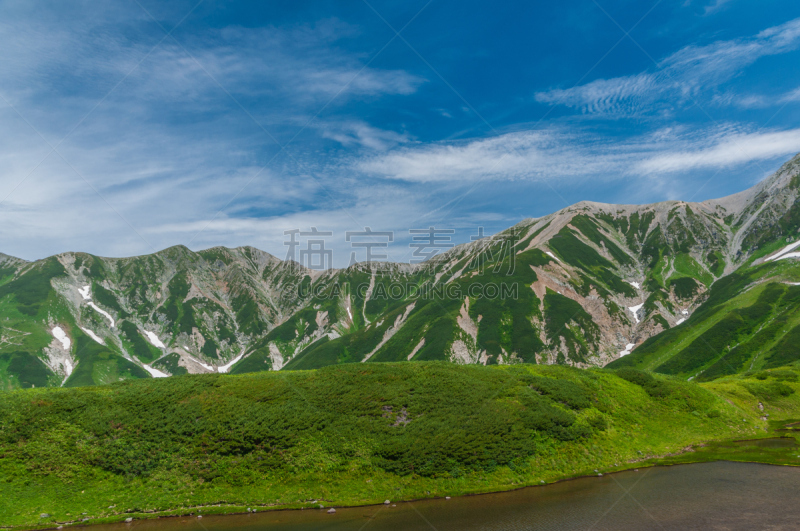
(127, 127)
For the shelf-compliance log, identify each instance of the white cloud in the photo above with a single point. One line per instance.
(352, 133)
(729, 150)
(528, 154)
(556, 156)
(793, 95)
(715, 6)
(167, 145)
(678, 78)
(617, 95)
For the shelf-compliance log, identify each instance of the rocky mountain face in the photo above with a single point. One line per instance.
(583, 286)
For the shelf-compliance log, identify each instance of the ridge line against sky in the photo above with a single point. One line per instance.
(168, 148)
(247, 224)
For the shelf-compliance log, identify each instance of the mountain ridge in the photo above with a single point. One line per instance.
(592, 282)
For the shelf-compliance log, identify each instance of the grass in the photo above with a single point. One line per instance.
(686, 266)
(351, 434)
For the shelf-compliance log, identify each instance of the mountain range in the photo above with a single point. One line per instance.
(696, 290)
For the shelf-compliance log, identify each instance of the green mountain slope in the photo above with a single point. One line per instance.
(751, 321)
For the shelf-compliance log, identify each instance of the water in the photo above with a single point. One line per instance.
(772, 442)
(706, 496)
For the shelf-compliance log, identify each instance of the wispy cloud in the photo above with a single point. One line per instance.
(359, 133)
(714, 6)
(677, 79)
(168, 146)
(277, 73)
(794, 95)
(556, 156)
(529, 155)
(726, 151)
(172, 155)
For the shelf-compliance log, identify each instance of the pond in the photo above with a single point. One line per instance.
(771, 442)
(720, 495)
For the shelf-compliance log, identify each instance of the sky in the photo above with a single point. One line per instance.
(129, 126)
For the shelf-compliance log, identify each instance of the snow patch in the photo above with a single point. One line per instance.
(154, 339)
(155, 373)
(93, 335)
(85, 293)
(102, 312)
(679, 321)
(350, 315)
(634, 310)
(67, 368)
(551, 255)
(628, 349)
(634, 284)
(226, 368)
(685, 312)
(59, 334)
(203, 365)
(779, 254)
(790, 255)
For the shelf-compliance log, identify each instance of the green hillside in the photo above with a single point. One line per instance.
(750, 321)
(355, 434)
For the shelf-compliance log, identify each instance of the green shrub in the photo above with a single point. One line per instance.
(653, 387)
(565, 392)
(769, 391)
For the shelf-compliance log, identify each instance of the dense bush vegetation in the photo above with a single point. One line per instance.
(106, 298)
(786, 351)
(169, 363)
(653, 387)
(426, 419)
(349, 433)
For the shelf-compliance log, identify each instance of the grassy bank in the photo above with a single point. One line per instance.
(352, 434)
